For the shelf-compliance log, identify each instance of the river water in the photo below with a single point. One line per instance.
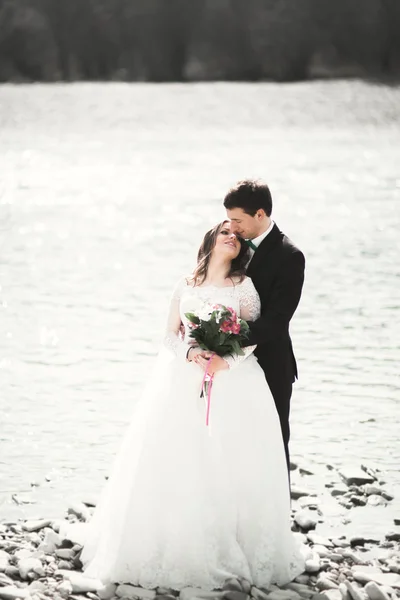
(105, 193)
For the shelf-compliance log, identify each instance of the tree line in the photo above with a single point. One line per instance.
(193, 40)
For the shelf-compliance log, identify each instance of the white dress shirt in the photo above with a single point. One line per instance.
(257, 241)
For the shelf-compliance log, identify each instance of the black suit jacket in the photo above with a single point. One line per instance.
(277, 271)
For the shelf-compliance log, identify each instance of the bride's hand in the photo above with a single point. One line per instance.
(214, 365)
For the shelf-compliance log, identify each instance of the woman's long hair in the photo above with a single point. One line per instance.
(238, 264)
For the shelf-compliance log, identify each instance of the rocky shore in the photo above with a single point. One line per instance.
(37, 563)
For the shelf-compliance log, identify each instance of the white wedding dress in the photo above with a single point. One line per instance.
(191, 505)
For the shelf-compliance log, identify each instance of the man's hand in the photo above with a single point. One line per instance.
(214, 365)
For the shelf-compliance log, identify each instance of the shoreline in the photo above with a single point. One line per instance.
(37, 563)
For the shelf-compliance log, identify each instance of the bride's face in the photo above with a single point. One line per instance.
(227, 243)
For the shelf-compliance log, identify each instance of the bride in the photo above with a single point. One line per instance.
(187, 504)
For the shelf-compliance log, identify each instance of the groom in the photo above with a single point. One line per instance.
(277, 271)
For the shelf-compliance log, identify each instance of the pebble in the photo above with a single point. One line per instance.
(393, 536)
(339, 490)
(355, 476)
(29, 566)
(297, 492)
(376, 500)
(129, 591)
(324, 583)
(313, 565)
(354, 591)
(80, 583)
(35, 525)
(13, 593)
(332, 594)
(303, 590)
(375, 592)
(344, 591)
(314, 538)
(306, 520)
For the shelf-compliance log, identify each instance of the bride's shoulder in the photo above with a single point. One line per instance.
(182, 283)
(245, 283)
(246, 288)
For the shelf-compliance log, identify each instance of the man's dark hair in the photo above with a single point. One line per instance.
(250, 195)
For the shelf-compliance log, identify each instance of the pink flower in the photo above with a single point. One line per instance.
(233, 313)
(226, 326)
(235, 329)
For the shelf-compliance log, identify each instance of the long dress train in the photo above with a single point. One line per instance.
(190, 505)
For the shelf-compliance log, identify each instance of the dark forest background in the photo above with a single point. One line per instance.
(192, 40)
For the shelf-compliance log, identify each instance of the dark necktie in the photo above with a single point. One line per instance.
(251, 245)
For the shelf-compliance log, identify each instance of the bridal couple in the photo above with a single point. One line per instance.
(191, 505)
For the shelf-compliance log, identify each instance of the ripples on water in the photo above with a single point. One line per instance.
(105, 192)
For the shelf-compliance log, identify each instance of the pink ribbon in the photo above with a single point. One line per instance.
(208, 379)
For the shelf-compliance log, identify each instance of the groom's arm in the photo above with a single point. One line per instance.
(284, 299)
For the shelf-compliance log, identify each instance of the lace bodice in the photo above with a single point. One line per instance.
(243, 297)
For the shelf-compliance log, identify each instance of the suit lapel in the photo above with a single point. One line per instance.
(264, 248)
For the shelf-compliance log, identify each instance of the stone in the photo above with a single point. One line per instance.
(376, 500)
(314, 538)
(28, 565)
(4, 580)
(80, 583)
(313, 565)
(344, 591)
(13, 593)
(258, 594)
(387, 496)
(277, 594)
(230, 595)
(335, 557)
(321, 551)
(339, 490)
(306, 520)
(393, 536)
(35, 525)
(303, 578)
(65, 553)
(297, 492)
(12, 572)
(355, 476)
(303, 590)
(4, 560)
(375, 592)
(358, 500)
(364, 574)
(129, 591)
(107, 592)
(370, 489)
(386, 579)
(354, 591)
(324, 583)
(246, 585)
(352, 556)
(340, 543)
(361, 541)
(232, 584)
(307, 501)
(50, 542)
(332, 594)
(65, 589)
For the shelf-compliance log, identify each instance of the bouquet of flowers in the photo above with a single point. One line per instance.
(218, 328)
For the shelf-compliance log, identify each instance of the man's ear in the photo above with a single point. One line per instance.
(260, 214)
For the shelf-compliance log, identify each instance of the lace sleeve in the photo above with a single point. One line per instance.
(172, 337)
(250, 310)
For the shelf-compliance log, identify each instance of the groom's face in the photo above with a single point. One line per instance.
(242, 224)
